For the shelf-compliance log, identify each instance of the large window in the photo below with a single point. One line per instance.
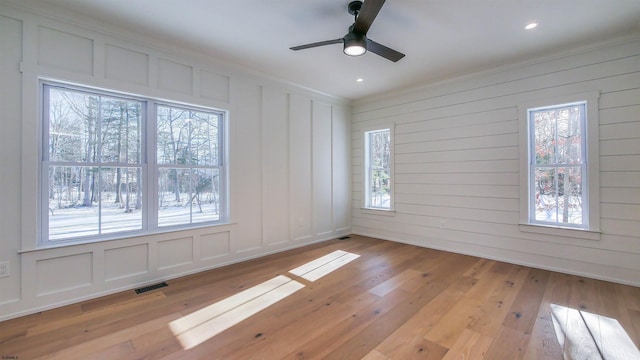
(559, 171)
(102, 177)
(378, 164)
(558, 165)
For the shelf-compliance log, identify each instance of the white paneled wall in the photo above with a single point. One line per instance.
(322, 179)
(300, 175)
(289, 159)
(457, 163)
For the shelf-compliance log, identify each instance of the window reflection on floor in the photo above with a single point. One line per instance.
(324, 265)
(584, 335)
(200, 326)
(194, 329)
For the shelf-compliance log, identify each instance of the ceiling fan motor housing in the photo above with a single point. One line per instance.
(354, 7)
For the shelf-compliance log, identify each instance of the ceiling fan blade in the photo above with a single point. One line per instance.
(316, 44)
(384, 51)
(368, 13)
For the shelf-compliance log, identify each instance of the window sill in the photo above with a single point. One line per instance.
(560, 231)
(374, 211)
(221, 227)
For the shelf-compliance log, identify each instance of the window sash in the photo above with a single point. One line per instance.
(554, 164)
(371, 169)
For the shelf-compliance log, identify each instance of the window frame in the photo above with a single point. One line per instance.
(366, 200)
(221, 166)
(148, 166)
(582, 166)
(590, 141)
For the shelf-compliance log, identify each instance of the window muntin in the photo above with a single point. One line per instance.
(378, 169)
(93, 163)
(558, 166)
(96, 180)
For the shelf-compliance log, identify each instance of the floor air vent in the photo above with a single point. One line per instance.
(151, 287)
(344, 238)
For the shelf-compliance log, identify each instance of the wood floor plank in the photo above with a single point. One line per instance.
(395, 282)
(489, 316)
(104, 343)
(447, 329)
(470, 345)
(419, 348)
(90, 313)
(634, 318)
(480, 268)
(419, 324)
(524, 310)
(632, 297)
(509, 344)
(367, 317)
(543, 342)
(394, 301)
(375, 355)
(360, 341)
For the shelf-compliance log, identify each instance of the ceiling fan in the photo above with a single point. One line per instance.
(355, 41)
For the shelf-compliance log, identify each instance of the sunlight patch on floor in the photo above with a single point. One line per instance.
(583, 334)
(194, 329)
(200, 326)
(324, 265)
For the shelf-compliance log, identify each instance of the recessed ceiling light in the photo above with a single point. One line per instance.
(359, 79)
(531, 26)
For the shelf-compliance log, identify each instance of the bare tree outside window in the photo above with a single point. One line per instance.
(378, 150)
(94, 163)
(188, 154)
(558, 164)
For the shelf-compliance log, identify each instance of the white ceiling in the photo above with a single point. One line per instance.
(441, 38)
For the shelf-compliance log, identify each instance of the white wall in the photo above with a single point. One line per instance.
(289, 159)
(457, 163)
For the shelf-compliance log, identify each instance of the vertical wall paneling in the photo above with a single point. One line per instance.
(126, 65)
(214, 86)
(275, 166)
(29, 135)
(341, 152)
(300, 167)
(175, 76)
(126, 262)
(214, 245)
(64, 273)
(10, 58)
(248, 179)
(174, 253)
(55, 46)
(322, 169)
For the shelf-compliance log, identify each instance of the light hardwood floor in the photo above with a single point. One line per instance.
(394, 301)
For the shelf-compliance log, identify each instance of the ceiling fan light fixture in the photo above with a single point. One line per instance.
(531, 26)
(354, 44)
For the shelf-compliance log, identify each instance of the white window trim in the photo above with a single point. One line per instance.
(593, 166)
(365, 208)
(148, 164)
